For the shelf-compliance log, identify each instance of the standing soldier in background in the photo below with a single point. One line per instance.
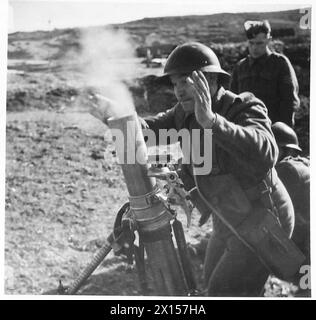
(268, 75)
(294, 172)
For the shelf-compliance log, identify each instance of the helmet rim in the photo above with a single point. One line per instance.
(291, 146)
(285, 136)
(192, 56)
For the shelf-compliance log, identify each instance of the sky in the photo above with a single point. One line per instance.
(47, 15)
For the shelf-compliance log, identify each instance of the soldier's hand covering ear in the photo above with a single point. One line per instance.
(203, 100)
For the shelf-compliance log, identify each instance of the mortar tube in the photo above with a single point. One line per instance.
(151, 216)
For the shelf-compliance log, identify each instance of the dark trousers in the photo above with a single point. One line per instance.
(231, 269)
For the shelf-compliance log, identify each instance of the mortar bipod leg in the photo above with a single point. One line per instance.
(86, 273)
(184, 256)
(114, 241)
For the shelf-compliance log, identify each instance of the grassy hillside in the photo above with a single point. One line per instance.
(57, 51)
(217, 28)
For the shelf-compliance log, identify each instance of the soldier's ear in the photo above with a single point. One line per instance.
(215, 79)
(211, 77)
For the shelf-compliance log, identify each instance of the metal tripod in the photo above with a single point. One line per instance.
(171, 269)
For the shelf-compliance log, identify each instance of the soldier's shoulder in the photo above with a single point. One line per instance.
(167, 111)
(297, 159)
(294, 165)
(287, 170)
(293, 170)
(279, 58)
(242, 62)
(248, 99)
(171, 113)
(242, 103)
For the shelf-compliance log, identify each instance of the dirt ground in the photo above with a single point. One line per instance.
(63, 190)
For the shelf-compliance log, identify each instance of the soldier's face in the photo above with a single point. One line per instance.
(183, 91)
(258, 46)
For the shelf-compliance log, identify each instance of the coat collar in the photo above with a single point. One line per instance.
(259, 60)
(217, 100)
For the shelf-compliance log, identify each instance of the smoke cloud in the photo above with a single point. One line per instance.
(107, 60)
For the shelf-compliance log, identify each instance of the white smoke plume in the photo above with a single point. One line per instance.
(107, 60)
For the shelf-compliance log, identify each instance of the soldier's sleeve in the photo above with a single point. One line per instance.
(288, 91)
(163, 120)
(248, 138)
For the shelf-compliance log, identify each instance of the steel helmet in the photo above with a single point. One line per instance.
(285, 136)
(192, 56)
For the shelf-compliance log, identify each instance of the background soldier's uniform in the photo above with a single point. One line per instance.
(272, 79)
(244, 152)
(295, 175)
